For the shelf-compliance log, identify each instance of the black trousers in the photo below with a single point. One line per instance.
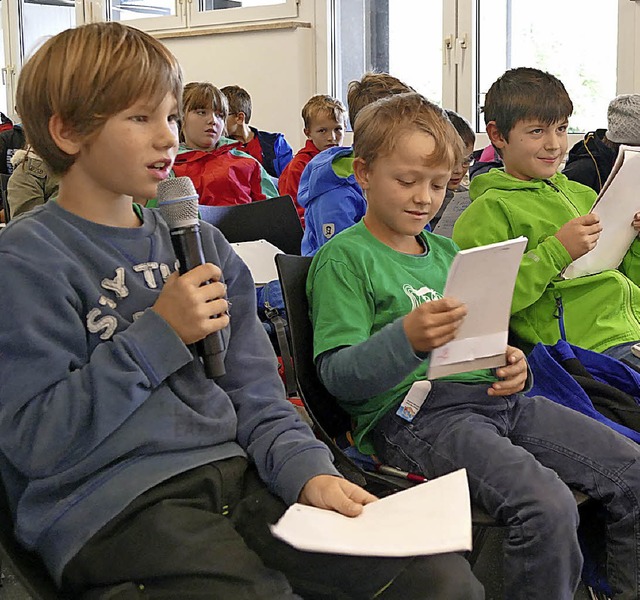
(204, 534)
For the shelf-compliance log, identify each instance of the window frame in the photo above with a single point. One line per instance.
(289, 9)
(188, 17)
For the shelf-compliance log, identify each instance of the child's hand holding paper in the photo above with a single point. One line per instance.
(513, 375)
(483, 278)
(434, 323)
(580, 235)
(617, 208)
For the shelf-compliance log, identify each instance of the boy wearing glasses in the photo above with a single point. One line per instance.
(457, 196)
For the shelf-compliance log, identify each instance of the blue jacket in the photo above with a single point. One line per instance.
(101, 400)
(331, 203)
(551, 380)
(276, 151)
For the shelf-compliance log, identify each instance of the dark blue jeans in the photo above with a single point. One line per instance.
(623, 352)
(520, 454)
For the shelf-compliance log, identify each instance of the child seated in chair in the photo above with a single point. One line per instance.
(324, 123)
(328, 191)
(221, 173)
(271, 150)
(528, 197)
(457, 197)
(127, 470)
(372, 346)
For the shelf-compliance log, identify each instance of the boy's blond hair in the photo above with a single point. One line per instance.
(372, 87)
(382, 125)
(323, 105)
(86, 75)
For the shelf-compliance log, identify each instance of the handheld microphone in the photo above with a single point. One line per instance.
(178, 203)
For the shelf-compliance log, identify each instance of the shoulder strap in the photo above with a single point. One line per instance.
(279, 325)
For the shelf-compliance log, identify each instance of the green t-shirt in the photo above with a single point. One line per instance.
(356, 286)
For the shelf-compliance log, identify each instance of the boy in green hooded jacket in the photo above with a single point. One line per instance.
(526, 114)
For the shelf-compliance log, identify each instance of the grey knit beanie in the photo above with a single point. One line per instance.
(623, 117)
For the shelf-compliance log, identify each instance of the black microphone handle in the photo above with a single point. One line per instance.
(187, 244)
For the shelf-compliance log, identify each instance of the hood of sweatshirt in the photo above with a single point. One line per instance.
(224, 145)
(319, 176)
(592, 147)
(19, 157)
(498, 180)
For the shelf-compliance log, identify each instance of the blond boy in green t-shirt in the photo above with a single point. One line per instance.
(377, 309)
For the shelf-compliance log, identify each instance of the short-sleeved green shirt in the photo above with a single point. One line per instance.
(356, 286)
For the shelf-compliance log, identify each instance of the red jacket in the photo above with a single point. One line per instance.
(220, 176)
(290, 177)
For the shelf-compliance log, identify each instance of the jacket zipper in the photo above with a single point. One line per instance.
(554, 187)
(559, 314)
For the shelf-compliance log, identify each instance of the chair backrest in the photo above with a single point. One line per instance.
(329, 420)
(27, 567)
(323, 408)
(275, 220)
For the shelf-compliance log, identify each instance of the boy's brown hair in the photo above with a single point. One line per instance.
(523, 94)
(323, 105)
(371, 87)
(239, 101)
(85, 76)
(383, 124)
(463, 127)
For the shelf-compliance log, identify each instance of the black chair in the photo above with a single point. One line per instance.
(329, 419)
(275, 220)
(26, 566)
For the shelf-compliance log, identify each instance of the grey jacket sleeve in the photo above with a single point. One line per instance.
(353, 373)
(282, 446)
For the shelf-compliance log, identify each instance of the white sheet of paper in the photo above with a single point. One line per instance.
(483, 278)
(616, 204)
(429, 518)
(259, 256)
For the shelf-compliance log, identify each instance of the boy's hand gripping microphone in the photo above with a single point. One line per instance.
(178, 203)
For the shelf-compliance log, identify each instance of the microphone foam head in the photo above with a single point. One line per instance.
(178, 202)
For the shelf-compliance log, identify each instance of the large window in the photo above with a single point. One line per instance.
(41, 19)
(451, 51)
(575, 40)
(402, 37)
(26, 24)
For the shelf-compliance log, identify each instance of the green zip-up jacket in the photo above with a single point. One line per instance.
(596, 311)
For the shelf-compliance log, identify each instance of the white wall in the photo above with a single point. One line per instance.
(280, 68)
